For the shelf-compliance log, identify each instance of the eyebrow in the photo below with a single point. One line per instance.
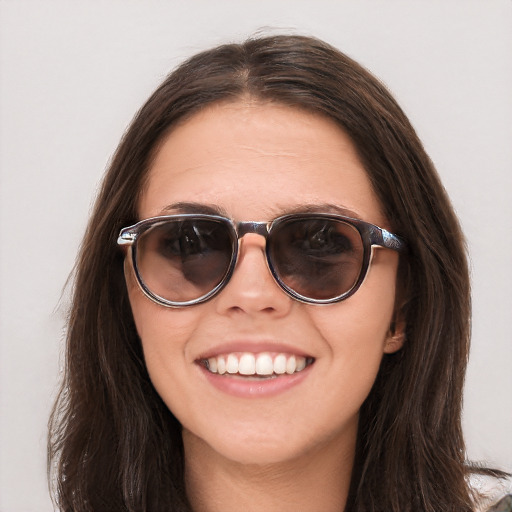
(212, 209)
(324, 208)
(191, 207)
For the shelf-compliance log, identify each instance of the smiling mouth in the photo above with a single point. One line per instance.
(260, 366)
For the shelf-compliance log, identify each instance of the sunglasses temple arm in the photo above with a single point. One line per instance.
(386, 239)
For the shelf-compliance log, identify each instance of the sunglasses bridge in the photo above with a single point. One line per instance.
(258, 228)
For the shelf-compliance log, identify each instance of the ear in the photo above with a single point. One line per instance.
(396, 335)
(395, 338)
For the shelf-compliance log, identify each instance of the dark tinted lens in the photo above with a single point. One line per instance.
(316, 257)
(182, 260)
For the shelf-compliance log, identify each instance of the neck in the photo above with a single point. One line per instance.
(314, 481)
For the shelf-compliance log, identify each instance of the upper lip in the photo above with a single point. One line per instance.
(254, 347)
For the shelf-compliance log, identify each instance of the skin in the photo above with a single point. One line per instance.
(294, 450)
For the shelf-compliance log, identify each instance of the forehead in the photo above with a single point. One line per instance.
(257, 160)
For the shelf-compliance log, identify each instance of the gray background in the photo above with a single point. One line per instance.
(74, 73)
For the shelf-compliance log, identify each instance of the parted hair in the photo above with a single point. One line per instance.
(113, 443)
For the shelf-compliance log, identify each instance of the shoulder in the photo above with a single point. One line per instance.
(494, 494)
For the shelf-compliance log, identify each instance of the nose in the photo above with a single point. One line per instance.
(252, 289)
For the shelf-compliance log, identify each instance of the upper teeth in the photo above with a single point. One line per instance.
(247, 363)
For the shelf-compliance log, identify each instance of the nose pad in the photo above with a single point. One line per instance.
(252, 287)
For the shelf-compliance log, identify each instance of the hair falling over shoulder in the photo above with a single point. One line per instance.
(114, 445)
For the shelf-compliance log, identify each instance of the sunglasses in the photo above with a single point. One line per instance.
(317, 258)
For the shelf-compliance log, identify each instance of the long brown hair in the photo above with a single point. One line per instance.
(114, 445)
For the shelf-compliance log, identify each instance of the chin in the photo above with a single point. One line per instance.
(269, 443)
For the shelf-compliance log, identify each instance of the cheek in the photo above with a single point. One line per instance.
(359, 325)
(356, 333)
(157, 325)
(164, 334)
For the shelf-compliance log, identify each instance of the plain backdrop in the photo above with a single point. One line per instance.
(74, 73)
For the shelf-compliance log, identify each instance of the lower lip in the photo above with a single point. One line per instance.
(252, 388)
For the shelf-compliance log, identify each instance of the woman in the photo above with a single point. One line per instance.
(271, 306)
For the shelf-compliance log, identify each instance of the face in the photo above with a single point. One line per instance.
(255, 161)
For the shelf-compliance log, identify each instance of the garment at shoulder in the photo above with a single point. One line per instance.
(494, 494)
(503, 505)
